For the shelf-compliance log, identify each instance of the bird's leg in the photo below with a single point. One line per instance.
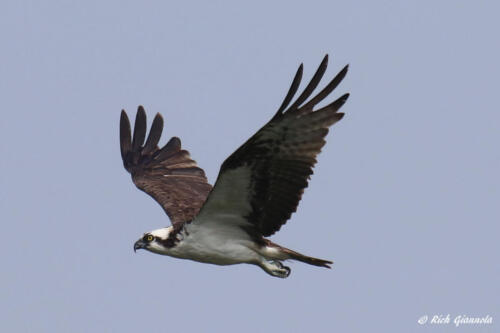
(275, 268)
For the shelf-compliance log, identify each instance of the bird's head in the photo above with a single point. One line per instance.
(153, 241)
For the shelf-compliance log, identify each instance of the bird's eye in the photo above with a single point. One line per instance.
(148, 238)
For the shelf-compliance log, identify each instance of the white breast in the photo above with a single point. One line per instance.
(216, 242)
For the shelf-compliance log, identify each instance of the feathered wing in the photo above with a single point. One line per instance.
(262, 182)
(168, 174)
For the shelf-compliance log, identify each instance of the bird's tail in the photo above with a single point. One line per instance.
(290, 254)
(311, 260)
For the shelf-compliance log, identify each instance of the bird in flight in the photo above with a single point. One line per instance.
(258, 187)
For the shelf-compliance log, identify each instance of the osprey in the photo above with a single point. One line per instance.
(258, 188)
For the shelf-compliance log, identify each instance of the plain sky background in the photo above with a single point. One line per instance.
(405, 198)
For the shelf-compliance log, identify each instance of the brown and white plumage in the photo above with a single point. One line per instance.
(168, 174)
(258, 188)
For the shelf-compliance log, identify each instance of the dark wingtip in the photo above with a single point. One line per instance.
(325, 59)
(154, 135)
(327, 263)
(172, 147)
(292, 90)
(336, 105)
(326, 90)
(345, 70)
(344, 97)
(139, 129)
(341, 75)
(175, 142)
(318, 75)
(125, 134)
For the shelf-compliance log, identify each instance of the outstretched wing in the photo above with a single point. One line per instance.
(262, 182)
(168, 174)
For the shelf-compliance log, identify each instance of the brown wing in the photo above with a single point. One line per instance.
(262, 182)
(168, 174)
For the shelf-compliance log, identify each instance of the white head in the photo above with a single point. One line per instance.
(154, 241)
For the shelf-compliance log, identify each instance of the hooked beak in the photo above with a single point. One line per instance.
(139, 245)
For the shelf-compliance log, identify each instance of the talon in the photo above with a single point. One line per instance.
(288, 270)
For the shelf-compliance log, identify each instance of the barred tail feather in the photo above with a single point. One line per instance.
(290, 254)
(311, 260)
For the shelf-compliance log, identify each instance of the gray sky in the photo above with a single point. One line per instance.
(404, 198)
